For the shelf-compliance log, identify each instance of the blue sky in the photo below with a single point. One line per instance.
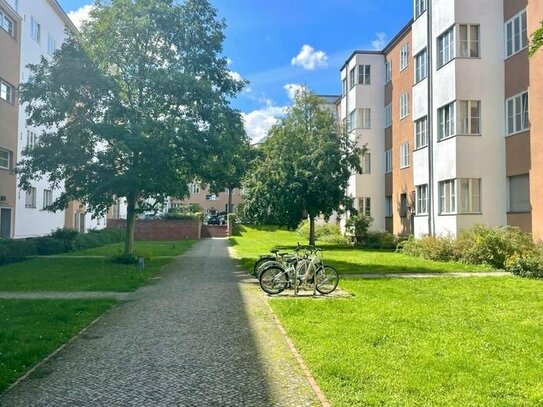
(280, 44)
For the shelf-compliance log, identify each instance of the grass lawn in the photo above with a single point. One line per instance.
(252, 241)
(31, 329)
(438, 342)
(145, 249)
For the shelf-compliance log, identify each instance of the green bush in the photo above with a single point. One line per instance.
(96, 238)
(67, 236)
(492, 245)
(528, 265)
(357, 227)
(125, 259)
(48, 245)
(321, 229)
(13, 250)
(182, 216)
(380, 240)
(335, 239)
(441, 248)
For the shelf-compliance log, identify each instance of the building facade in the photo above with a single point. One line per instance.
(451, 114)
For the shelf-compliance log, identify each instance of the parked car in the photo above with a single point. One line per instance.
(214, 220)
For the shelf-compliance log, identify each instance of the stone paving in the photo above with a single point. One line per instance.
(200, 336)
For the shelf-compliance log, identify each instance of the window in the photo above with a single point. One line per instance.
(421, 65)
(364, 74)
(365, 118)
(7, 24)
(447, 196)
(403, 205)
(421, 132)
(404, 155)
(469, 195)
(5, 159)
(366, 163)
(388, 206)
(351, 121)
(388, 116)
(519, 193)
(6, 91)
(404, 105)
(352, 76)
(404, 57)
(422, 199)
(51, 44)
(364, 206)
(445, 47)
(420, 7)
(446, 127)
(5, 223)
(35, 30)
(30, 198)
(469, 117)
(31, 138)
(47, 198)
(469, 41)
(388, 71)
(194, 189)
(212, 197)
(388, 161)
(516, 34)
(343, 87)
(517, 113)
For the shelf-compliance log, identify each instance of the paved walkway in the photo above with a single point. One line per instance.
(201, 336)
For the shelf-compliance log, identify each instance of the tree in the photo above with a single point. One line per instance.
(305, 167)
(134, 105)
(537, 40)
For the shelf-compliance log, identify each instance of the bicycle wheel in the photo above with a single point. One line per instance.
(326, 279)
(260, 262)
(273, 280)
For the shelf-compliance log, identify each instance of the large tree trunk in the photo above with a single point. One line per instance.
(312, 230)
(229, 209)
(130, 223)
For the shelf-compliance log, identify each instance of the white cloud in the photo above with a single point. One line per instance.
(309, 58)
(258, 122)
(78, 16)
(292, 89)
(235, 76)
(380, 41)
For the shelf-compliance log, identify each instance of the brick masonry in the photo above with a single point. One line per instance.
(161, 229)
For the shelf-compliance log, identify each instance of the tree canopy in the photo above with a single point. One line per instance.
(537, 40)
(136, 105)
(305, 167)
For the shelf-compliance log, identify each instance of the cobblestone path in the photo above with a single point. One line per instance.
(202, 335)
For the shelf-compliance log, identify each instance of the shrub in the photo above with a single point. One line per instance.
(182, 216)
(336, 239)
(380, 240)
(125, 259)
(95, 238)
(492, 245)
(67, 236)
(357, 226)
(48, 245)
(321, 229)
(13, 250)
(528, 265)
(439, 248)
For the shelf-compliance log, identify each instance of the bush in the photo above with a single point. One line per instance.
(48, 245)
(67, 236)
(357, 226)
(335, 239)
(182, 216)
(321, 229)
(125, 259)
(530, 265)
(492, 245)
(96, 238)
(439, 248)
(380, 240)
(12, 251)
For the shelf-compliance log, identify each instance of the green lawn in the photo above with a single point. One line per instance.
(435, 342)
(141, 249)
(252, 241)
(31, 329)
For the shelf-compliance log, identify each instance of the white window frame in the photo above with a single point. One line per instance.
(364, 205)
(420, 7)
(7, 24)
(421, 132)
(366, 163)
(344, 87)
(469, 202)
(469, 121)
(51, 44)
(520, 190)
(47, 198)
(446, 121)
(447, 196)
(388, 161)
(365, 118)
(388, 71)
(351, 121)
(421, 65)
(469, 47)
(516, 34)
(352, 78)
(30, 198)
(445, 47)
(517, 118)
(404, 105)
(6, 91)
(6, 158)
(364, 74)
(194, 188)
(404, 155)
(388, 116)
(31, 138)
(422, 199)
(35, 30)
(404, 56)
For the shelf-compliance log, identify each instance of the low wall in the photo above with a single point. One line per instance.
(161, 229)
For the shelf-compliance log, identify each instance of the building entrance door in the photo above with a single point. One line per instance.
(5, 223)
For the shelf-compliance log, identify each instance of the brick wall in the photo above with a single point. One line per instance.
(160, 229)
(214, 231)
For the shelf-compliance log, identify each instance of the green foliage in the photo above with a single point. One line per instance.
(439, 248)
(321, 230)
(12, 251)
(125, 259)
(303, 168)
(182, 216)
(380, 240)
(96, 238)
(537, 40)
(334, 239)
(357, 226)
(48, 245)
(67, 236)
(526, 265)
(147, 92)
